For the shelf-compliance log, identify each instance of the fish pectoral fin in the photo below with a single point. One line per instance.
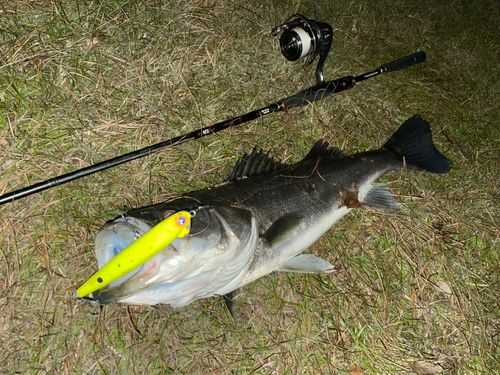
(380, 198)
(283, 228)
(307, 263)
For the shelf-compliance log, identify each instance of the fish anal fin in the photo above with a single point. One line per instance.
(379, 198)
(307, 263)
(283, 228)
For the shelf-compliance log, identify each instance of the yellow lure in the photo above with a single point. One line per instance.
(138, 252)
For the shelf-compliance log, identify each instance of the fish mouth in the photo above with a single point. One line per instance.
(117, 235)
(210, 259)
(114, 237)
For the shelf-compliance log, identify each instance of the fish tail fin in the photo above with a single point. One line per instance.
(413, 141)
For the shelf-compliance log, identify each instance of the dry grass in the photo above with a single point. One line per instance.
(81, 82)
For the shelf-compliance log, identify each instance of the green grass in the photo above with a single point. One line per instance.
(81, 82)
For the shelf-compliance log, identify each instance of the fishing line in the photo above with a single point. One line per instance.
(209, 221)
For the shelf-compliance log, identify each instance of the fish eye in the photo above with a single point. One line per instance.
(167, 213)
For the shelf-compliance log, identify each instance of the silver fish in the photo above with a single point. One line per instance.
(261, 219)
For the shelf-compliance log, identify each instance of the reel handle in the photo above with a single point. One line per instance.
(405, 62)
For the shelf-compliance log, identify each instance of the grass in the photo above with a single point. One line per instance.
(81, 82)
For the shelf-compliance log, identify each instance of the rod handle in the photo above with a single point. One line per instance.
(405, 62)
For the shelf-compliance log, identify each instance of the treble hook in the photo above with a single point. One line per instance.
(90, 302)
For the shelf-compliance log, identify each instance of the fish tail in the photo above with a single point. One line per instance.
(413, 141)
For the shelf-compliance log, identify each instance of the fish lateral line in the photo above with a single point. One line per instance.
(262, 220)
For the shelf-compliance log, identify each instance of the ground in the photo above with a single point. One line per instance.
(417, 290)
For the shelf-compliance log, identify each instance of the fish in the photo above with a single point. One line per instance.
(261, 219)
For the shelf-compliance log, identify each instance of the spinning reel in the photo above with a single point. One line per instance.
(303, 37)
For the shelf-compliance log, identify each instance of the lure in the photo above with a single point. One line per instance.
(138, 252)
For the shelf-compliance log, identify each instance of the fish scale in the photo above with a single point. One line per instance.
(267, 214)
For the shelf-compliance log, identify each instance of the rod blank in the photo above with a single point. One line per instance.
(304, 97)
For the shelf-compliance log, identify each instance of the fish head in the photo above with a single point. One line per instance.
(212, 257)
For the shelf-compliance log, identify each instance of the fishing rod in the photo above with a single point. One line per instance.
(301, 37)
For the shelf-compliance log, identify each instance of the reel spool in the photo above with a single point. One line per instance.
(302, 37)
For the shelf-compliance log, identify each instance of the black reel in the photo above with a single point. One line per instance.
(303, 37)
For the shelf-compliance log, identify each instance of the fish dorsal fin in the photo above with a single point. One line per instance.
(256, 163)
(322, 148)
